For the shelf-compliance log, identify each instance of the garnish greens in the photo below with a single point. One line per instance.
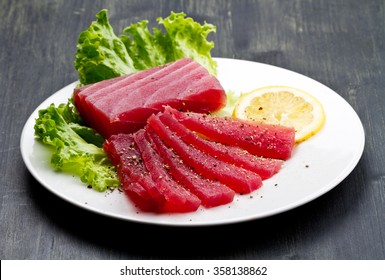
(76, 149)
(102, 55)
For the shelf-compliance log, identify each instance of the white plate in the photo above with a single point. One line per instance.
(317, 165)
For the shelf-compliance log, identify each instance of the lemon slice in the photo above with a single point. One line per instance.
(283, 105)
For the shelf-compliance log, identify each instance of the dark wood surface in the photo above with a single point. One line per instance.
(339, 43)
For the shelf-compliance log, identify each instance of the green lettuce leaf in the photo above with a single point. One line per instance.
(188, 38)
(147, 50)
(71, 153)
(183, 37)
(102, 55)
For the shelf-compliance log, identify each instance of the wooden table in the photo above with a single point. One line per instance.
(338, 43)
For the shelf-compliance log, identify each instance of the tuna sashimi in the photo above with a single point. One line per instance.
(106, 90)
(134, 177)
(146, 191)
(124, 106)
(239, 179)
(211, 193)
(270, 141)
(85, 96)
(134, 90)
(178, 199)
(265, 167)
(80, 93)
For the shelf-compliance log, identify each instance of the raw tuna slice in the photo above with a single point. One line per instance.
(270, 141)
(265, 167)
(178, 199)
(124, 106)
(211, 193)
(239, 179)
(134, 177)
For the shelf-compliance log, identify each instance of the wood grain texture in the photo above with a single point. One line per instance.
(339, 43)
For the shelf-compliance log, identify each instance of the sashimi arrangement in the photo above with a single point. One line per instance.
(141, 119)
(195, 174)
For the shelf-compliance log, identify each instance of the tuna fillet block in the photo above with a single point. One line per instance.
(123, 105)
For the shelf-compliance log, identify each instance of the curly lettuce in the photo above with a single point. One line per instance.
(101, 54)
(188, 38)
(76, 149)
